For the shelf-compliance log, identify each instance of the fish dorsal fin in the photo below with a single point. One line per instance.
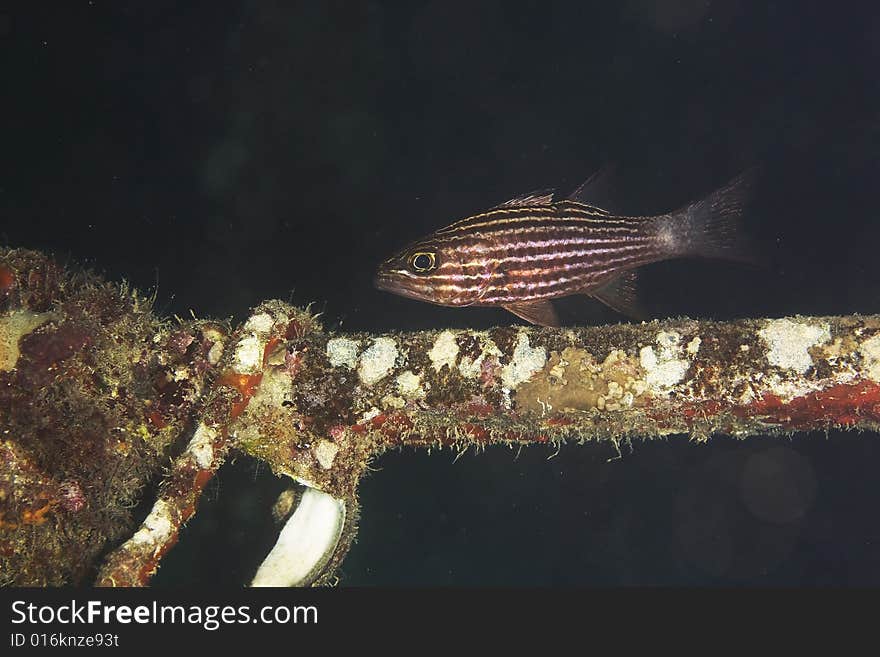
(621, 294)
(578, 205)
(539, 312)
(538, 197)
(595, 191)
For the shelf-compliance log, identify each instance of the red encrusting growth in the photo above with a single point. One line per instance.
(475, 431)
(841, 405)
(245, 384)
(295, 330)
(7, 279)
(559, 421)
(156, 419)
(479, 409)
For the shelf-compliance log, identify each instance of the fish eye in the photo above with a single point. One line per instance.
(423, 261)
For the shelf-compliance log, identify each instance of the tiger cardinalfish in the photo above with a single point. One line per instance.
(531, 249)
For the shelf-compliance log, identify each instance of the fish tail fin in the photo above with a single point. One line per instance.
(712, 226)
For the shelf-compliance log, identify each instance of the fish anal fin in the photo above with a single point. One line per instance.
(621, 294)
(538, 197)
(539, 312)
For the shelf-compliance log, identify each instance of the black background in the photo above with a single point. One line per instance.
(224, 153)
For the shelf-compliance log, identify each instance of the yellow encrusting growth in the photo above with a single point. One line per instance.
(575, 381)
(13, 327)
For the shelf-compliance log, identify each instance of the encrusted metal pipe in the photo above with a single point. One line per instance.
(334, 401)
(319, 407)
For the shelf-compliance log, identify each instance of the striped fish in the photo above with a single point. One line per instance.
(531, 249)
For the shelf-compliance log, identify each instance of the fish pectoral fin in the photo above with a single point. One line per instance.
(539, 197)
(536, 312)
(621, 294)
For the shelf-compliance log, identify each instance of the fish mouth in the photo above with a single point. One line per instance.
(390, 283)
(383, 282)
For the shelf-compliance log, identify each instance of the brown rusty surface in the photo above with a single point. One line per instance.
(94, 395)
